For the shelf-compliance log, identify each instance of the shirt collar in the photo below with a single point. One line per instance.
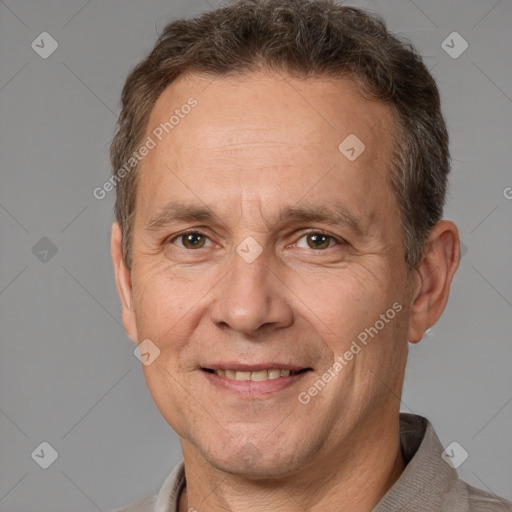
(168, 497)
(427, 479)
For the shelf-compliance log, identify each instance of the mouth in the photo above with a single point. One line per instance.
(256, 374)
(256, 381)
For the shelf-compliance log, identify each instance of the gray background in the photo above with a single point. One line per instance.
(68, 375)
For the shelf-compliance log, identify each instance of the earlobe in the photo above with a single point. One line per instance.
(434, 278)
(123, 283)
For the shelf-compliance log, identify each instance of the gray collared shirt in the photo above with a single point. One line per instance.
(427, 484)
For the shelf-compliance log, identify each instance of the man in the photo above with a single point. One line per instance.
(281, 169)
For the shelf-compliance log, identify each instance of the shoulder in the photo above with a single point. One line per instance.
(430, 481)
(483, 501)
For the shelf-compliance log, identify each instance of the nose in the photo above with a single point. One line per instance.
(252, 298)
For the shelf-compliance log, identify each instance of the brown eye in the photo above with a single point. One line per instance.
(192, 240)
(319, 241)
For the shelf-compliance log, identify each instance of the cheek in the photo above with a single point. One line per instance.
(162, 300)
(169, 310)
(342, 303)
(167, 392)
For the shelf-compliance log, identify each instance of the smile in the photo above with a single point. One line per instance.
(258, 375)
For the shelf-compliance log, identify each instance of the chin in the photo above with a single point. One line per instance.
(259, 470)
(256, 461)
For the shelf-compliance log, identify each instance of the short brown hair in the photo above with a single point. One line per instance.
(305, 38)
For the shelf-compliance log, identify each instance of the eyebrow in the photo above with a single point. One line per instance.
(332, 213)
(180, 212)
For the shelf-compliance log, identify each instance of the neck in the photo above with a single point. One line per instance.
(350, 479)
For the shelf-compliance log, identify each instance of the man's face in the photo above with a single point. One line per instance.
(263, 279)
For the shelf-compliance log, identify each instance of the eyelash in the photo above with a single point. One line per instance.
(337, 240)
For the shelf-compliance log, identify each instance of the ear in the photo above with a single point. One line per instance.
(124, 283)
(434, 277)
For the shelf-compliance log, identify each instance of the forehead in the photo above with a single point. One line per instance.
(267, 139)
(261, 107)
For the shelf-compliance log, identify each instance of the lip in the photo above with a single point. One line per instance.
(254, 389)
(241, 367)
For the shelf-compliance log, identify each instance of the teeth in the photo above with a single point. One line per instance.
(261, 375)
(272, 373)
(230, 374)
